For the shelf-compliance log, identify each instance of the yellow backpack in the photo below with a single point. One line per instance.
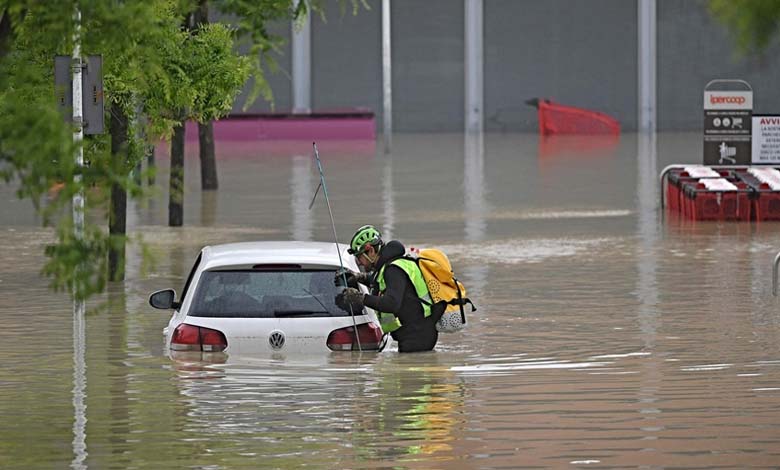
(444, 288)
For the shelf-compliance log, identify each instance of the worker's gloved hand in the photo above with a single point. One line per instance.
(350, 297)
(353, 278)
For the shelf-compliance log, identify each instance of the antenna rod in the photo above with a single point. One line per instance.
(335, 237)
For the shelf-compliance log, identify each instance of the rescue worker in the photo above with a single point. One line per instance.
(397, 287)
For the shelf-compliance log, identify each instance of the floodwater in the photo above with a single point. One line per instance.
(608, 335)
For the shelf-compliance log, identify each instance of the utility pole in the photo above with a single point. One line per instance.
(646, 74)
(473, 65)
(79, 326)
(301, 65)
(387, 77)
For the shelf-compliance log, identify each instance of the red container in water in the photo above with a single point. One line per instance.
(700, 203)
(766, 201)
(675, 180)
(767, 204)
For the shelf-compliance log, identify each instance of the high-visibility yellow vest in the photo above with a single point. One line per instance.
(388, 321)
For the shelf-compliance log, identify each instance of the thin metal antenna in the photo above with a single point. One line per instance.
(335, 237)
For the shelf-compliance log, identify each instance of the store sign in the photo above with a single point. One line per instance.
(766, 139)
(727, 127)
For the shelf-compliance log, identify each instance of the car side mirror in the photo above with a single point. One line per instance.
(164, 299)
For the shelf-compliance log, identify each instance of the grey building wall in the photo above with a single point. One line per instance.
(694, 49)
(346, 53)
(278, 79)
(577, 52)
(428, 82)
(581, 53)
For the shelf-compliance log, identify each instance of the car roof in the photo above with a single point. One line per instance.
(275, 252)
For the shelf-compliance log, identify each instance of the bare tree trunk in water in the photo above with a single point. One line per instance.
(117, 218)
(176, 191)
(208, 160)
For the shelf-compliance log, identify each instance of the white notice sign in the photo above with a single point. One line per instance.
(766, 139)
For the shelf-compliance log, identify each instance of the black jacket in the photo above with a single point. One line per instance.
(417, 333)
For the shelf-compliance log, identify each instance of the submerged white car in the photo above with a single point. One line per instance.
(266, 297)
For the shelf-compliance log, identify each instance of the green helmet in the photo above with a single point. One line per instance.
(363, 235)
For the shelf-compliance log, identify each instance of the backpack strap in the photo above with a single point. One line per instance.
(462, 301)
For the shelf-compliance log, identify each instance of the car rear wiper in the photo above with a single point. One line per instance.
(315, 298)
(298, 313)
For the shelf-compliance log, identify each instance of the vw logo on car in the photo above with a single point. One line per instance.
(276, 340)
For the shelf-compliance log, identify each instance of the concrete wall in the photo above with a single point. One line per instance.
(577, 52)
(581, 53)
(694, 49)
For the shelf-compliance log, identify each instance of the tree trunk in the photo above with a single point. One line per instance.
(176, 192)
(6, 32)
(117, 217)
(150, 163)
(208, 161)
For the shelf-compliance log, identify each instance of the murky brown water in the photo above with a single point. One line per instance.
(607, 336)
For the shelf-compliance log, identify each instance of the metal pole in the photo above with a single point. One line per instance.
(79, 327)
(646, 74)
(335, 238)
(387, 77)
(78, 133)
(473, 65)
(301, 65)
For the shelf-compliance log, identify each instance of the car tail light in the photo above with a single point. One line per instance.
(343, 339)
(197, 338)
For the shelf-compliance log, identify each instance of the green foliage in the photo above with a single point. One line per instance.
(753, 23)
(215, 71)
(156, 74)
(151, 67)
(77, 265)
(27, 112)
(212, 70)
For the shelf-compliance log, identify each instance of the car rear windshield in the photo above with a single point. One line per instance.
(267, 294)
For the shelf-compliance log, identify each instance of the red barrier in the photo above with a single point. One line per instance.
(560, 119)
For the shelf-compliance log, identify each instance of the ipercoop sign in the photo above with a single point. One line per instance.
(727, 127)
(728, 100)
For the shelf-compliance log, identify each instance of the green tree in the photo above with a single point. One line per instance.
(156, 74)
(753, 23)
(252, 19)
(145, 68)
(210, 75)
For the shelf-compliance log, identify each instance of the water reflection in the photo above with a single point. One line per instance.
(418, 407)
(583, 146)
(208, 208)
(302, 186)
(391, 408)
(475, 208)
(647, 286)
(79, 386)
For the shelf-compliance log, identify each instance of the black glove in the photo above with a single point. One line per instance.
(353, 278)
(350, 297)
